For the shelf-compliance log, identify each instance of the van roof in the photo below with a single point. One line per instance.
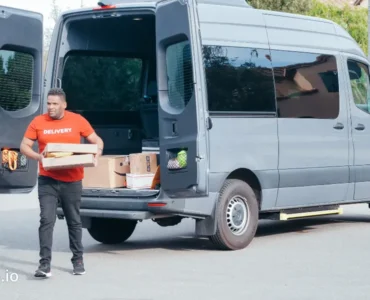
(152, 3)
(315, 27)
(321, 29)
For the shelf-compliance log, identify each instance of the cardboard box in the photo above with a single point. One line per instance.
(74, 148)
(139, 181)
(143, 163)
(110, 172)
(69, 162)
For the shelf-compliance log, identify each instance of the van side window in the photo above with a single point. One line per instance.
(307, 85)
(239, 79)
(179, 74)
(95, 82)
(16, 80)
(359, 79)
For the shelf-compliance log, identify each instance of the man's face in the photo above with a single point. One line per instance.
(56, 106)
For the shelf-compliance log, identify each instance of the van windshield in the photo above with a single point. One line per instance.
(95, 83)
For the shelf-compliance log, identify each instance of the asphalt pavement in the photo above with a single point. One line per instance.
(317, 259)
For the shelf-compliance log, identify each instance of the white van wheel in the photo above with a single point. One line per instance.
(236, 216)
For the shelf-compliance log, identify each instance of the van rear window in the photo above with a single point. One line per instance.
(16, 80)
(94, 83)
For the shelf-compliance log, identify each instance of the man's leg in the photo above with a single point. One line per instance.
(48, 199)
(71, 200)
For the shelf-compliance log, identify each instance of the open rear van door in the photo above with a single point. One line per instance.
(21, 46)
(182, 118)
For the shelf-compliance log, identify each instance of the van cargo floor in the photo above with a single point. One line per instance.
(119, 192)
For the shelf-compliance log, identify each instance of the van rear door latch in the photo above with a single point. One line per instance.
(130, 134)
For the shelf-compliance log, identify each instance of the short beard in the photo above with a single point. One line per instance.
(57, 117)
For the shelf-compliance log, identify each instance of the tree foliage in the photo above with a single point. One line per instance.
(91, 82)
(290, 6)
(352, 19)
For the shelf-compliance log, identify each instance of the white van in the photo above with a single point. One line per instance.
(271, 109)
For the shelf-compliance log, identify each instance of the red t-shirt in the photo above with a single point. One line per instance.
(69, 129)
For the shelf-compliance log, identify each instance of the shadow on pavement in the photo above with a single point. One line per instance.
(192, 243)
(180, 243)
(19, 230)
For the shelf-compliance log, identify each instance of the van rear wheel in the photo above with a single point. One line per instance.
(236, 216)
(111, 231)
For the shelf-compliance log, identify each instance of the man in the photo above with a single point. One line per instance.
(64, 186)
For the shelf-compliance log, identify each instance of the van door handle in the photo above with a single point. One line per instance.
(174, 128)
(360, 127)
(339, 126)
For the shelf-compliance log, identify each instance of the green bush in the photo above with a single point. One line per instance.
(290, 6)
(352, 19)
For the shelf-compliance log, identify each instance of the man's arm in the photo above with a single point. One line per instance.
(26, 149)
(95, 139)
(90, 135)
(28, 140)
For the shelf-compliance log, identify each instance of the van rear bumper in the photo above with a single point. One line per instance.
(113, 214)
(112, 207)
(147, 208)
(131, 204)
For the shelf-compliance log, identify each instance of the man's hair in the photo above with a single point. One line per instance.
(57, 92)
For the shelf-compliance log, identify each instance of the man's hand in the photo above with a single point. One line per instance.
(100, 152)
(26, 149)
(40, 157)
(95, 139)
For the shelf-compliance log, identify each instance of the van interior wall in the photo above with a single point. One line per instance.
(109, 76)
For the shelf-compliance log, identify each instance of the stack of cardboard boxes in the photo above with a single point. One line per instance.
(142, 170)
(134, 171)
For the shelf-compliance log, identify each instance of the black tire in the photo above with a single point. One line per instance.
(235, 196)
(111, 231)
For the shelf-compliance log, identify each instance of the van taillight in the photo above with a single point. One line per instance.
(105, 7)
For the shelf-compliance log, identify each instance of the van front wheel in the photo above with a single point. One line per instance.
(111, 231)
(236, 216)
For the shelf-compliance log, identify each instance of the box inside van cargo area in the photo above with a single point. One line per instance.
(108, 71)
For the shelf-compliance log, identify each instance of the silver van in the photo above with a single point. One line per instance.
(270, 111)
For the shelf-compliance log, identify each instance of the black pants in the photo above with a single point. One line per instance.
(68, 194)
